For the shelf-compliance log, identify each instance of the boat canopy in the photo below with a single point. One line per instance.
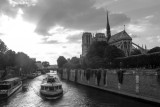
(12, 79)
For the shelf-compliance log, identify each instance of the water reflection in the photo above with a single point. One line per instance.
(74, 96)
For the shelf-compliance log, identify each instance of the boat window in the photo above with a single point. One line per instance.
(50, 80)
(15, 83)
(42, 88)
(51, 88)
(46, 88)
(5, 87)
(60, 87)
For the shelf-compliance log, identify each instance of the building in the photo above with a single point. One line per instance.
(121, 40)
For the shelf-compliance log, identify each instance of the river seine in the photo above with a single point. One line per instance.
(74, 96)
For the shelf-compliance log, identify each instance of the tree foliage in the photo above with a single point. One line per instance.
(74, 63)
(75, 60)
(136, 52)
(61, 61)
(19, 62)
(95, 62)
(146, 60)
(3, 47)
(97, 49)
(155, 49)
(101, 55)
(24, 62)
(112, 52)
(45, 63)
(9, 58)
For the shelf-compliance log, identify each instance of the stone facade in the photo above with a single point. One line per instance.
(121, 40)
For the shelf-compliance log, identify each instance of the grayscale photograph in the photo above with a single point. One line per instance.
(79, 53)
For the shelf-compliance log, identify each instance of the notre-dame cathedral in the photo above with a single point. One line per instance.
(121, 40)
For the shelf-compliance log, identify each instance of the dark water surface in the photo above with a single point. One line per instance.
(74, 96)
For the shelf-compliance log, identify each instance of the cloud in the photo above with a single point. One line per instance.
(64, 46)
(149, 17)
(136, 28)
(51, 42)
(78, 53)
(7, 9)
(66, 54)
(158, 38)
(103, 3)
(133, 36)
(72, 14)
(150, 39)
(51, 53)
(45, 41)
(74, 38)
(1, 34)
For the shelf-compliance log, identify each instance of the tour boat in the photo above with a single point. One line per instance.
(31, 76)
(51, 87)
(9, 86)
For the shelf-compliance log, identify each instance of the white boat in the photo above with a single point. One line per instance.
(51, 87)
(9, 86)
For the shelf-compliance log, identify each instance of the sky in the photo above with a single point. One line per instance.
(47, 29)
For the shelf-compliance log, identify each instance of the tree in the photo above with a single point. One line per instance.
(95, 62)
(83, 62)
(97, 49)
(3, 47)
(75, 60)
(101, 55)
(112, 52)
(21, 59)
(9, 58)
(155, 49)
(67, 65)
(45, 63)
(95, 55)
(2, 63)
(24, 62)
(136, 52)
(61, 61)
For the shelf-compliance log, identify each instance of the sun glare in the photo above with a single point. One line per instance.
(18, 33)
(20, 36)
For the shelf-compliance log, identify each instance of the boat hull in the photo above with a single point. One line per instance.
(50, 96)
(10, 92)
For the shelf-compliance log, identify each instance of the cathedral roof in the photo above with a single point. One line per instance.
(120, 36)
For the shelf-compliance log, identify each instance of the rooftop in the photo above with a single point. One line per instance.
(119, 36)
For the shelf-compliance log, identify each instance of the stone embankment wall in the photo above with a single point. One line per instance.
(137, 83)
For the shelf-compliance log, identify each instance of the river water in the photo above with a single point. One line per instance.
(74, 96)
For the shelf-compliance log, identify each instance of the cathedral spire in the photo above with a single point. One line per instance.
(108, 32)
(145, 47)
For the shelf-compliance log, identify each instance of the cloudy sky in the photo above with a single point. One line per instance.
(46, 29)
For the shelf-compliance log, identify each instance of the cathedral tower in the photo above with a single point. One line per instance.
(86, 42)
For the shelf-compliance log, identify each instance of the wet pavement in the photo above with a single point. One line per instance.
(74, 96)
